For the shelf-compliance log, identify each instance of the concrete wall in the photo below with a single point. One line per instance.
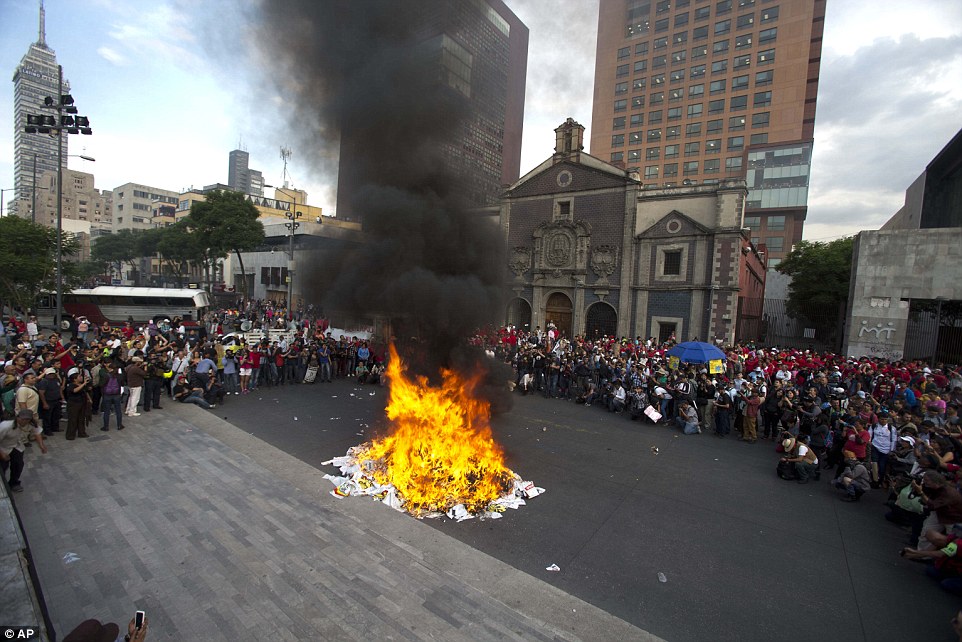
(890, 267)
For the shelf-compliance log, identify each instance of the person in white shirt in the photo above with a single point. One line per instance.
(618, 396)
(884, 439)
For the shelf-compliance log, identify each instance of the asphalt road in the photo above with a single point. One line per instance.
(746, 555)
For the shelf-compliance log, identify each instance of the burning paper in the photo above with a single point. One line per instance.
(440, 456)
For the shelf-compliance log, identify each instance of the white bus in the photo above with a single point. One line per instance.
(116, 304)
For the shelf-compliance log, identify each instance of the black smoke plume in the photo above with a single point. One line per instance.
(364, 76)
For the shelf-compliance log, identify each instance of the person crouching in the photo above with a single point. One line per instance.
(803, 457)
(854, 480)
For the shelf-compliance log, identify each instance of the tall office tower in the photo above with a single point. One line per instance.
(242, 178)
(691, 91)
(35, 78)
(479, 48)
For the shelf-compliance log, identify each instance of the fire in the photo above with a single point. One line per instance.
(440, 451)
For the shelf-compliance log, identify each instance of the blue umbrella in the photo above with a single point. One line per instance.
(696, 352)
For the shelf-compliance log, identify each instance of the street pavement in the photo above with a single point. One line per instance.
(746, 556)
(218, 535)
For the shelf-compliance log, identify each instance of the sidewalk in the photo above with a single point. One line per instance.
(220, 536)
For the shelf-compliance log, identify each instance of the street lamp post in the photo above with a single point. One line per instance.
(8, 189)
(291, 225)
(64, 122)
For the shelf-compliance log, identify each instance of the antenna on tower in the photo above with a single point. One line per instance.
(285, 156)
(42, 39)
(240, 143)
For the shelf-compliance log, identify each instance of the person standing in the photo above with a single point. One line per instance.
(27, 396)
(884, 439)
(135, 380)
(78, 384)
(750, 419)
(153, 381)
(111, 385)
(50, 389)
(14, 436)
(723, 407)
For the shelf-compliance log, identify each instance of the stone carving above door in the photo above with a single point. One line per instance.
(604, 261)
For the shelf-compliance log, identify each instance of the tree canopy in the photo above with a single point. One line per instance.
(227, 222)
(28, 261)
(820, 275)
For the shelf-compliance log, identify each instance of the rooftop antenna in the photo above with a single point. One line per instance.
(42, 40)
(240, 143)
(285, 156)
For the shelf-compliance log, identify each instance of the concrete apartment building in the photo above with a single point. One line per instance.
(240, 177)
(134, 205)
(696, 91)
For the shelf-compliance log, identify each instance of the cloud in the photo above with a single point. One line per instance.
(160, 36)
(560, 80)
(111, 56)
(884, 111)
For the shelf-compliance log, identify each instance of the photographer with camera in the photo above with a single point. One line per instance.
(76, 390)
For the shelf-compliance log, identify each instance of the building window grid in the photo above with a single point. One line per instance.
(621, 71)
(712, 166)
(745, 21)
(693, 130)
(767, 35)
(713, 146)
(701, 51)
(766, 57)
(769, 15)
(714, 126)
(717, 87)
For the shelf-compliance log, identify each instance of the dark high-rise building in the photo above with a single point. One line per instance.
(692, 91)
(480, 49)
(241, 177)
(36, 77)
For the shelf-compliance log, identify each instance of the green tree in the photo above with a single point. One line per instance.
(118, 248)
(178, 249)
(227, 222)
(820, 278)
(28, 261)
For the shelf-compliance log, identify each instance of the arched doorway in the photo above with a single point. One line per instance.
(519, 314)
(558, 311)
(601, 320)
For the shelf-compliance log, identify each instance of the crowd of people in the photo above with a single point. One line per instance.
(879, 426)
(106, 376)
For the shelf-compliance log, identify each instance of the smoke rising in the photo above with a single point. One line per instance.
(364, 76)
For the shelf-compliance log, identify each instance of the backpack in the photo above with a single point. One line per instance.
(112, 387)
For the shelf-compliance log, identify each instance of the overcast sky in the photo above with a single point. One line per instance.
(166, 109)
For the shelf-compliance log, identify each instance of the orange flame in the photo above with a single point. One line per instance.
(440, 451)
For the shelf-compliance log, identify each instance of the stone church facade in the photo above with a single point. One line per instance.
(595, 252)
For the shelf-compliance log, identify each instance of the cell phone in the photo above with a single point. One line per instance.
(139, 620)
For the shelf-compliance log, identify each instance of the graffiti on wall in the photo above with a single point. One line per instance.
(878, 341)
